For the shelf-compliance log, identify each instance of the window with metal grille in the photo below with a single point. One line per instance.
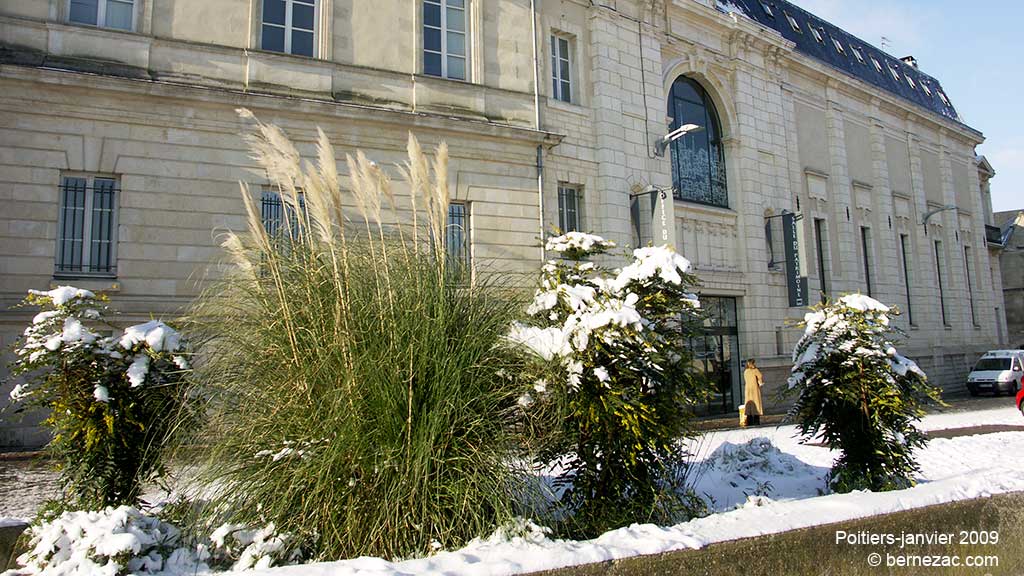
(279, 216)
(698, 157)
(289, 26)
(561, 68)
(569, 208)
(445, 50)
(118, 14)
(87, 226)
(456, 241)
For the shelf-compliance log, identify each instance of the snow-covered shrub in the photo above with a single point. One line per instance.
(125, 540)
(112, 542)
(351, 371)
(112, 400)
(859, 394)
(610, 385)
(237, 547)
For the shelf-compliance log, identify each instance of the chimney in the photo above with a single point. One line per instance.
(910, 60)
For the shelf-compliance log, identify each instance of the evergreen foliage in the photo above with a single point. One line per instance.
(112, 402)
(610, 386)
(858, 394)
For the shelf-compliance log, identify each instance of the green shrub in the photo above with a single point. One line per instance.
(610, 386)
(859, 394)
(112, 402)
(350, 369)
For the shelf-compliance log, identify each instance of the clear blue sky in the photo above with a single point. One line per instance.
(975, 49)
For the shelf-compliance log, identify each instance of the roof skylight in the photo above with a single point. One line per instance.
(793, 24)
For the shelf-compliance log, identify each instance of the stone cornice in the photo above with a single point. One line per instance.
(294, 104)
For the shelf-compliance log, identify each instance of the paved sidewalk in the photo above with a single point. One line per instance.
(955, 404)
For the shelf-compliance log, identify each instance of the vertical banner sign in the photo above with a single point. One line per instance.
(663, 218)
(796, 283)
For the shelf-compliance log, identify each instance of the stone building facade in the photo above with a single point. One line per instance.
(552, 110)
(1011, 262)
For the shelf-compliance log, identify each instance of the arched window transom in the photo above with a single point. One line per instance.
(698, 160)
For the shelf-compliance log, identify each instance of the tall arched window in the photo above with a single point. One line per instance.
(698, 161)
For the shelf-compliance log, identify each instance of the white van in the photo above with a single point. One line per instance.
(997, 371)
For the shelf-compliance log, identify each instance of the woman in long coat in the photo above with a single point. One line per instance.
(752, 383)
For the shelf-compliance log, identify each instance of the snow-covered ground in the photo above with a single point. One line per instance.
(951, 469)
(759, 480)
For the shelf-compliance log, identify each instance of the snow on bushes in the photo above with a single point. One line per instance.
(735, 473)
(112, 541)
(111, 399)
(237, 547)
(124, 540)
(859, 394)
(609, 386)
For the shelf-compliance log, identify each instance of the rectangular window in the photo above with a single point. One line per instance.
(444, 39)
(865, 246)
(569, 208)
(457, 234)
(970, 284)
(938, 274)
(821, 245)
(118, 14)
(561, 68)
(279, 217)
(905, 256)
(87, 226)
(289, 26)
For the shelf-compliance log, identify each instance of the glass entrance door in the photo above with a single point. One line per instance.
(716, 353)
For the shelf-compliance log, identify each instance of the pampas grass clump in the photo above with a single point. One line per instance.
(350, 368)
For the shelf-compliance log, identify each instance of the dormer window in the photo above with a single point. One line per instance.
(895, 74)
(927, 90)
(767, 9)
(857, 54)
(818, 34)
(793, 23)
(839, 47)
(878, 67)
(942, 97)
(910, 82)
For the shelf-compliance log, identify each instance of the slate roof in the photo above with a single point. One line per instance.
(818, 39)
